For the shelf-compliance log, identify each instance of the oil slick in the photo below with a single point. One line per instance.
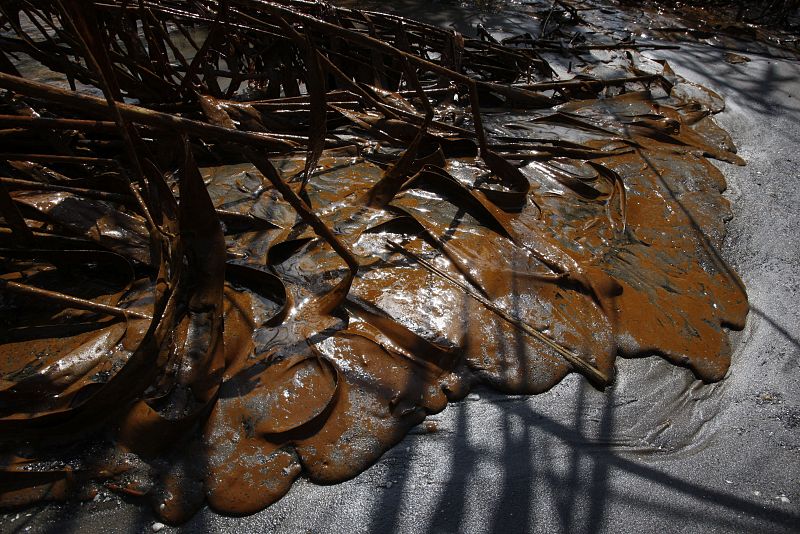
(290, 272)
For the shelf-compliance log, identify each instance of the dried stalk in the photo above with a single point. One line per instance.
(69, 301)
(589, 371)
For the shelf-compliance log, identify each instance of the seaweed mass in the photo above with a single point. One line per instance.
(245, 241)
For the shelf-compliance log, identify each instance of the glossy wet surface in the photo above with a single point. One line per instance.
(580, 233)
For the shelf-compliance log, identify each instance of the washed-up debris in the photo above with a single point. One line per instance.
(246, 241)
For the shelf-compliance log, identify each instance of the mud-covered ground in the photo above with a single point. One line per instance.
(659, 451)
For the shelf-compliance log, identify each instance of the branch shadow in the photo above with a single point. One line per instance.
(600, 478)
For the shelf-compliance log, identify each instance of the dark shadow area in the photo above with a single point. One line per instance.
(450, 509)
(600, 476)
(462, 18)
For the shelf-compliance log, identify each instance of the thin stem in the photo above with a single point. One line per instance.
(588, 370)
(69, 301)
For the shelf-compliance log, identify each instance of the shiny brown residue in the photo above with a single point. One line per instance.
(212, 291)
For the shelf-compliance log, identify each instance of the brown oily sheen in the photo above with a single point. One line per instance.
(224, 269)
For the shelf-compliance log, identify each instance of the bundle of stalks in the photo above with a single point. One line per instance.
(186, 289)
